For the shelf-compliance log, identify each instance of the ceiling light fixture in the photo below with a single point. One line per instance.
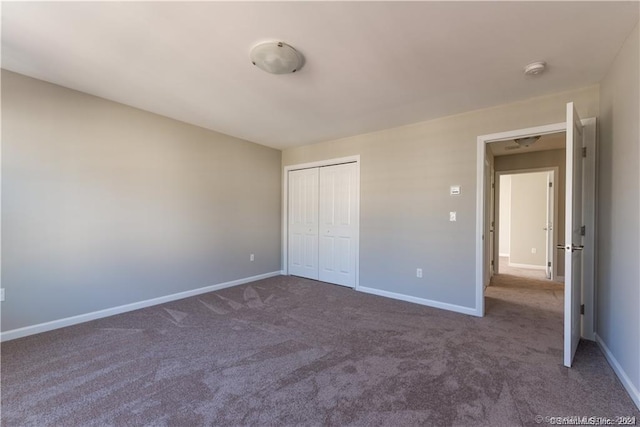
(535, 68)
(276, 58)
(525, 142)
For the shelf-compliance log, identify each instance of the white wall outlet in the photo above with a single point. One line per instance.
(2, 294)
(452, 216)
(454, 190)
(252, 257)
(534, 250)
(419, 273)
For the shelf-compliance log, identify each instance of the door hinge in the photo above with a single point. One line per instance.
(551, 184)
(583, 230)
(584, 151)
(582, 309)
(549, 264)
(493, 185)
(493, 223)
(491, 263)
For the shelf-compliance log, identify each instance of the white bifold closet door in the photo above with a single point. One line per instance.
(303, 223)
(336, 223)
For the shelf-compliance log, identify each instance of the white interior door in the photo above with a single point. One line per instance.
(492, 225)
(303, 223)
(338, 224)
(487, 236)
(573, 236)
(549, 226)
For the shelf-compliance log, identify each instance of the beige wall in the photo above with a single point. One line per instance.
(528, 218)
(105, 205)
(405, 177)
(537, 160)
(618, 276)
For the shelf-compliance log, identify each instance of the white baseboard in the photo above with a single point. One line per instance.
(529, 266)
(421, 301)
(74, 320)
(622, 375)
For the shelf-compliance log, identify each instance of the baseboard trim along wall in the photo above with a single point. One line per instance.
(622, 375)
(529, 266)
(81, 318)
(421, 301)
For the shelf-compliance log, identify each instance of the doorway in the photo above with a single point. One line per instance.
(526, 224)
(579, 238)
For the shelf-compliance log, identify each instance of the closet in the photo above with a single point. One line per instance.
(323, 223)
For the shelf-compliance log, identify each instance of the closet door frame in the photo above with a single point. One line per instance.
(285, 207)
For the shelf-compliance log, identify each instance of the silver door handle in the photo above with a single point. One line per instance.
(572, 248)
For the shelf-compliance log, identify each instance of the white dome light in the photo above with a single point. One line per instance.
(276, 58)
(535, 68)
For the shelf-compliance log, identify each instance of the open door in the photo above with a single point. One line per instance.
(549, 227)
(487, 235)
(573, 236)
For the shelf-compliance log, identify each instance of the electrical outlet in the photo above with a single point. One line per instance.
(2, 294)
(252, 258)
(419, 273)
(452, 216)
(534, 250)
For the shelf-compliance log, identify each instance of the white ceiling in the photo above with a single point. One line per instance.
(369, 65)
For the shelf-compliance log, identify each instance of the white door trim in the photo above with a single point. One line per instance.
(496, 228)
(285, 206)
(589, 211)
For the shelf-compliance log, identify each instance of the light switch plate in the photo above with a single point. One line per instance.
(452, 216)
(455, 190)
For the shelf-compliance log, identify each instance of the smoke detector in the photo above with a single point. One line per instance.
(535, 68)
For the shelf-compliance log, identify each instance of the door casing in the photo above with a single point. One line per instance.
(496, 234)
(589, 203)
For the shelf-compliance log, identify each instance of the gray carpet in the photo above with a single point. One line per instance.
(505, 268)
(288, 351)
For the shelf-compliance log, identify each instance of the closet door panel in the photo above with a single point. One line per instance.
(303, 223)
(338, 224)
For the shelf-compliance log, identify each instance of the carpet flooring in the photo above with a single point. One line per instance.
(505, 268)
(287, 351)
